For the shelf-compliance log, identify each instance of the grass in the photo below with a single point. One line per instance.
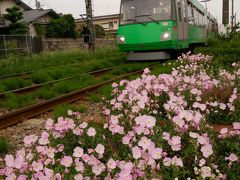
(17, 101)
(62, 110)
(57, 71)
(13, 83)
(18, 64)
(4, 145)
(224, 51)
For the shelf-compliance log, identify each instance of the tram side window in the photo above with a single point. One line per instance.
(196, 18)
(190, 14)
(179, 10)
(200, 19)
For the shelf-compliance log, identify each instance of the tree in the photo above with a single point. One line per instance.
(63, 27)
(13, 14)
(100, 32)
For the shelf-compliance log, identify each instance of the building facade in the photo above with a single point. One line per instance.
(110, 23)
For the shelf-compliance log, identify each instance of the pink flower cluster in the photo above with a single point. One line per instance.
(156, 125)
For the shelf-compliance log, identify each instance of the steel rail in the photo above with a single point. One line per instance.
(20, 115)
(34, 87)
(16, 75)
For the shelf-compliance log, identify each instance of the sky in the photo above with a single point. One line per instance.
(106, 7)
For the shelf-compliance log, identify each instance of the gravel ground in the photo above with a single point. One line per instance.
(15, 134)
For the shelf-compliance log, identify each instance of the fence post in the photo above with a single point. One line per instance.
(31, 44)
(5, 45)
(27, 44)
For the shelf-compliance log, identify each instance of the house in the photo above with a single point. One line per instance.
(36, 19)
(108, 22)
(4, 4)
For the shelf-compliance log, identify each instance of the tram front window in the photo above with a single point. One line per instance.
(135, 11)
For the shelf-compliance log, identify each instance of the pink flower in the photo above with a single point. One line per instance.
(9, 159)
(156, 153)
(79, 166)
(83, 125)
(177, 161)
(207, 150)
(167, 161)
(206, 172)
(193, 135)
(49, 124)
(98, 169)
(58, 176)
(166, 136)
(175, 143)
(22, 177)
(100, 149)
(44, 139)
(232, 157)
(144, 143)
(30, 140)
(203, 140)
(236, 126)
(136, 151)
(37, 166)
(146, 121)
(77, 131)
(111, 164)
(78, 152)
(91, 132)
(126, 139)
(78, 177)
(66, 161)
(224, 131)
(51, 152)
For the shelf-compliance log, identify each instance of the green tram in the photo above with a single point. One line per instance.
(152, 29)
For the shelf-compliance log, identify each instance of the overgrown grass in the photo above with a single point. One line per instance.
(17, 101)
(224, 51)
(62, 110)
(17, 64)
(4, 145)
(13, 83)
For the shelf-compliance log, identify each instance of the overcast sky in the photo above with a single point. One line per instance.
(105, 7)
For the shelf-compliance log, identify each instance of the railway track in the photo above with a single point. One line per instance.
(34, 87)
(16, 75)
(20, 115)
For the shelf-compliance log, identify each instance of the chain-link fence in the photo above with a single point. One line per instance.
(18, 44)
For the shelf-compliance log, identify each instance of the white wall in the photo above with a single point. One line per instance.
(7, 4)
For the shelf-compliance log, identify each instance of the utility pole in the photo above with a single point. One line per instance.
(37, 4)
(232, 17)
(91, 28)
(225, 13)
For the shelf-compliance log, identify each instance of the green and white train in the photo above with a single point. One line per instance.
(151, 29)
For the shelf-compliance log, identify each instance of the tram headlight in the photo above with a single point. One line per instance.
(121, 39)
(166, 36)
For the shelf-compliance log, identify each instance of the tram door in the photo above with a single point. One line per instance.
(182, 19)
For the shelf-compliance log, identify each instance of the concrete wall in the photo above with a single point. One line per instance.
(51, 44)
